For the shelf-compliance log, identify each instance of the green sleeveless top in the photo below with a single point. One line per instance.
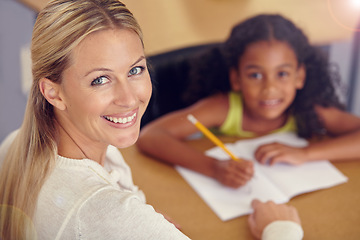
(232, 125)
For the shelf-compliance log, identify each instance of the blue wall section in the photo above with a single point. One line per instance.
(16, 23)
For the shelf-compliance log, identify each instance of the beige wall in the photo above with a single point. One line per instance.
(170, 24)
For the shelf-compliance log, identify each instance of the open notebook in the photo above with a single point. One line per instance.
(279, 182)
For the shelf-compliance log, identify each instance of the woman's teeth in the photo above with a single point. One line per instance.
(120, 120)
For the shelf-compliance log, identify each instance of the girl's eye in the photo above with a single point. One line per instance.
(136, 70)
(99, 81)
(283, 74)
(256, 76)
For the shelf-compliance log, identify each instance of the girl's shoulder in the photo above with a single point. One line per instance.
(212, 110)
(220, 100)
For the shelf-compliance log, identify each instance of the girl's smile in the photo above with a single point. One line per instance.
(271, 103)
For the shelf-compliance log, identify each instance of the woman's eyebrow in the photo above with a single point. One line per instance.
(109, 70)
(137, 61)
(98, 70)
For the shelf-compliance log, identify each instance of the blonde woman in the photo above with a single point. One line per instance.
(62, 176)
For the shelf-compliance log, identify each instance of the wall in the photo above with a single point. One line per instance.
(16, 22)
(178, 23)
(170, 24)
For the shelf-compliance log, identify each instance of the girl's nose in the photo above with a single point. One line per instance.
(270, 86)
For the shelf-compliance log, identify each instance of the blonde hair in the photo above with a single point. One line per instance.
(59, 28)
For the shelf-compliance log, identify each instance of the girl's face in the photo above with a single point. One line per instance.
(106, 89)
(268, 76)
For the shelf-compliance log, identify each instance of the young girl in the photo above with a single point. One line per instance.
(264, 78)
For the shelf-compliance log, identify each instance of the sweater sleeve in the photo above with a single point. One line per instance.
(120, 215)
(283, 230)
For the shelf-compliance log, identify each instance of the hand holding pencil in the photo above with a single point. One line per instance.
(235, 172)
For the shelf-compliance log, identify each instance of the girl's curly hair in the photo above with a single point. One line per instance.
(210, 69)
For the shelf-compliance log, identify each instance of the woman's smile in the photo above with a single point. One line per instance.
(121, 120)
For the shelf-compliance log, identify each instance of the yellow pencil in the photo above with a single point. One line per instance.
(211, 136)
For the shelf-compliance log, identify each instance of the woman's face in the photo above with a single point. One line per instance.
(268, 76)
(106, 89)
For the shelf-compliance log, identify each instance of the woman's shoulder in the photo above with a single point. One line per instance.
(124, 215)
(74, 184)
(69, 208)
(104, 212)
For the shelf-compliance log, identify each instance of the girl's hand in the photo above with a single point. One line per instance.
(276, 152)
(233, 174)
(268, 212)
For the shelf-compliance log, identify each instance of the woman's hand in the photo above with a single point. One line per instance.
(276, 152)
(268, 212)
(233, 174)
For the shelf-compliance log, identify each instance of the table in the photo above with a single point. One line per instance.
(326, 214)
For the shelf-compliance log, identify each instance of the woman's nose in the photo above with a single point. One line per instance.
(124, 94)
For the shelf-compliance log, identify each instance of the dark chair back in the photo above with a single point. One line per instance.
(170, 76)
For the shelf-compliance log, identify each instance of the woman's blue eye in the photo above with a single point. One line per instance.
(136, 71)
(99, 81)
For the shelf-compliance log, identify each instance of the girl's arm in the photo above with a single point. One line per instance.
(345, 141)
(343, 144)
(164, 139)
